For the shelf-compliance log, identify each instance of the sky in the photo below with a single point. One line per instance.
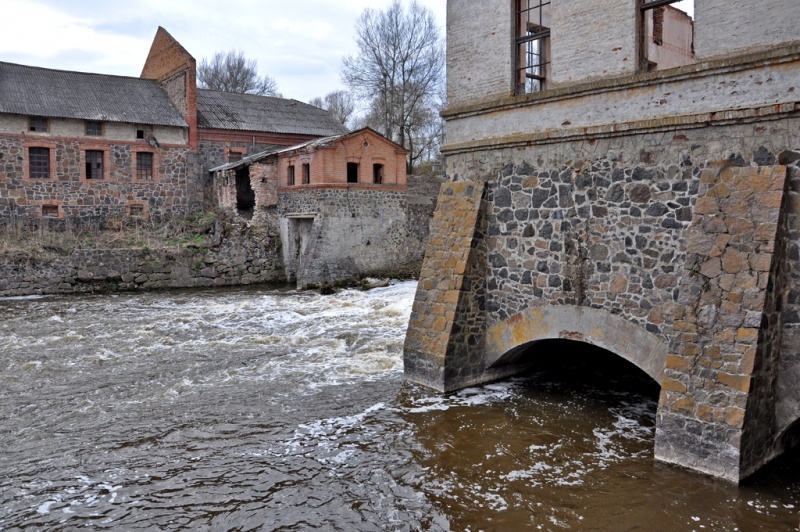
(300, 43)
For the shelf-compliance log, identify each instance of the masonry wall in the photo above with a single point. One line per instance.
(215, 152)
(238, 256)
(174, 190)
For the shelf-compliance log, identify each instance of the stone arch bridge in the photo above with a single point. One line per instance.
(690, 273)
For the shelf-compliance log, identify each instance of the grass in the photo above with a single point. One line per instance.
(53, 238)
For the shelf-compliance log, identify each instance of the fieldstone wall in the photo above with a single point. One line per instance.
(214, 153)
(240, 255)
(355, 233)
(174, 192)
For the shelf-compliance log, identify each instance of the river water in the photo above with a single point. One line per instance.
(270, 409)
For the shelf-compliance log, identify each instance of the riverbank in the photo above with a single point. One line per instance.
(207, 250)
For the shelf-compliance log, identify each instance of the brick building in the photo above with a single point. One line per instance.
(340, 202)
(91, 147)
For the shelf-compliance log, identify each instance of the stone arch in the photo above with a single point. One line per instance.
(506, 340)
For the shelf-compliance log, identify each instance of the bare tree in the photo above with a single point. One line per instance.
(340, 104)
(398, 71)
(232, 72)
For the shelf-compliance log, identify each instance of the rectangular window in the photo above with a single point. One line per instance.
(306, 173)
(667, 34)
(140, 134)
(94, 164)
(39, 163)
(137, 210)
(377, 174)
(532, 55)
(50, 211)
(144, 165)
(37, 124)
(94, 129)
(290, 175)
(234, 156)
(352, 172)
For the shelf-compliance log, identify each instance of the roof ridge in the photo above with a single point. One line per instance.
(76, 72)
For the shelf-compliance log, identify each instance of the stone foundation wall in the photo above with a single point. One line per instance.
(241, 256)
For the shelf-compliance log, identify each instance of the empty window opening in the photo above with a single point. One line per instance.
(377, 174)
(137, 210)
(667, 30)
(39, 163)
(94, 164)
(144, 165)
(140, 133)
(306, 173)
(234, 156)
(94, 129)
(50, 211)
(37, 124)
(290, 175)
(245, 195)
(352, 172)
(532, 55)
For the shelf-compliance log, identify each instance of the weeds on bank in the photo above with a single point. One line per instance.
(47, 238)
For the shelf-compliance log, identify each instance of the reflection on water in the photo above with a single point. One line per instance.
(278, 410)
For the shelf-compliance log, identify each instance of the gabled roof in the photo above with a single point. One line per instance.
(314, 143)
(250, 112)
(27, 90)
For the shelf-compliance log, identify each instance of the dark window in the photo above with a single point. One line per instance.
(39, 163)
(38, 124)
(140, 133)
(94, 129)
(306, 173)
(50, 211)
(667, 34)
(352, 172)
(94, 164)
(234, 156)
(290, 174)
(137, 210)
(533, 45)
(144, 165)
(377, 174)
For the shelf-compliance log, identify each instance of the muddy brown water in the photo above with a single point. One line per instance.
(267, 409)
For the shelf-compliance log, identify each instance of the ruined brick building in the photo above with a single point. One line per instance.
(627, 177)
(90, 147)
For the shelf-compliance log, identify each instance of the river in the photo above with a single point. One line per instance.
(269, 409)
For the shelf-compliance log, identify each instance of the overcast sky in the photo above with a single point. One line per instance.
(300, 43)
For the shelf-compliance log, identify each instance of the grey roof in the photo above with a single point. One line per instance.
(250, 112)
(27, 90)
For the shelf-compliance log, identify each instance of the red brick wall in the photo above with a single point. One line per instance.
(176, 70)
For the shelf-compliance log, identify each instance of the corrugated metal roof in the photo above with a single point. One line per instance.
(250, 112)
(27, 90)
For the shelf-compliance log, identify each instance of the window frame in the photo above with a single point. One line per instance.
(90, 123)
(104, 169)
(306, 173)
(135, 172)
(643, 6)
(378, 170)
(49, 205)
(522, 45)
(40, 119)
(26, 167)
(290, 175)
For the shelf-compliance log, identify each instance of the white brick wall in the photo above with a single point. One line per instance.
(70, 128)
(724, 27)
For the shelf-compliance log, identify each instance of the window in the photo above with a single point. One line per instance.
(144, 165)
(140, 134)
(94, 129)
(532, 45)
(667, 34)
(37, 124)
(377, 174)
(352, 172)
(290, 175)
(39, 163)
(50, 211)
(94, 164)
(234, 156)
(136, 210)
(306, 173)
